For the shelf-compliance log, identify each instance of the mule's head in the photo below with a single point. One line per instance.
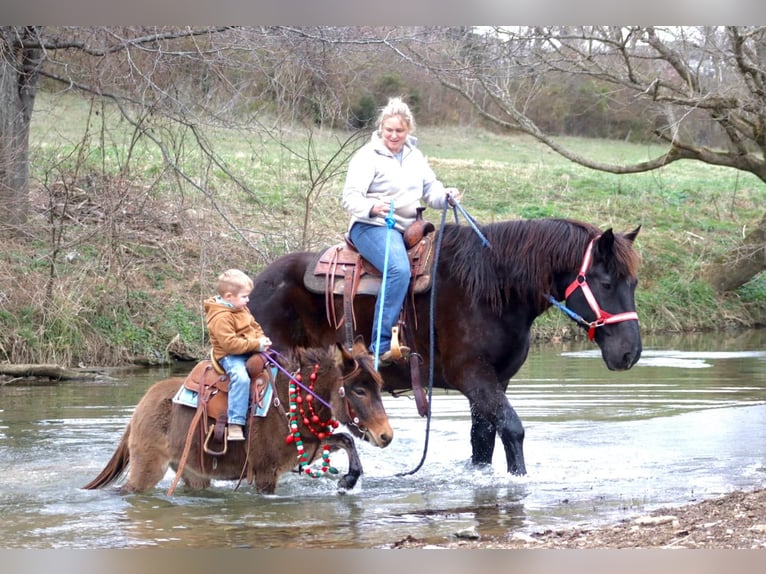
(603, 293)
(358, 403)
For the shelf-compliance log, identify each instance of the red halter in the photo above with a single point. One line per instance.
(602, 317)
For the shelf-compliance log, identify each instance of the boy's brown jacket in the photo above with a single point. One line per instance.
(231, 331)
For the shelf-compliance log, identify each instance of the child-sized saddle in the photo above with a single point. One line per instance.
(211, 384)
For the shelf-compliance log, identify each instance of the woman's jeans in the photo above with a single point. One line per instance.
(370, 241)
(239, 387)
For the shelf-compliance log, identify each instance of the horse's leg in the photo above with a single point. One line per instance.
(492, 413)
(482, 439)
(511, 432)
(345, 442)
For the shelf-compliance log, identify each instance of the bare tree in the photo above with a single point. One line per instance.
(150, 178)
(20, 59)
(681, 74)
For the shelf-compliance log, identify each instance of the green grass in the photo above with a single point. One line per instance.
(136, 283)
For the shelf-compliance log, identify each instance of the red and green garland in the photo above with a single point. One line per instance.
(311, 421)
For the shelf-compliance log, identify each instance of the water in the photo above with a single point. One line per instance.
(687, 423)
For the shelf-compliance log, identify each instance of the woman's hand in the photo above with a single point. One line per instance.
(453, 196)
(380, 210)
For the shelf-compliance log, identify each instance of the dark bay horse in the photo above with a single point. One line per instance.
(344, 387)
(486, 301)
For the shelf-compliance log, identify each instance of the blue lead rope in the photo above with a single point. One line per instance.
(567, 311)
(457, 207)
(390, 225)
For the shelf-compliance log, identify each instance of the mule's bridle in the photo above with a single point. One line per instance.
(581, 282)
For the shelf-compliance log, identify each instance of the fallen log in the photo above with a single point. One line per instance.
(53, 372)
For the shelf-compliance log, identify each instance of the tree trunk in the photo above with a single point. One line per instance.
(742, 263)
(19, 74)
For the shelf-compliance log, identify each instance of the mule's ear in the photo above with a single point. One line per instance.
(631, 236)
(360, 347)
(339, 354)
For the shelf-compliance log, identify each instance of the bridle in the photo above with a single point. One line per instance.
(581, 282)
(353, 419)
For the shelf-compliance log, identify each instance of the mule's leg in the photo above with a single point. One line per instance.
(195, 481)
(345, 442)
(266, 481)
(149, 458)
(146, 470)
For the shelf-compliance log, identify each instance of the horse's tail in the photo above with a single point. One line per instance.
(116, 465)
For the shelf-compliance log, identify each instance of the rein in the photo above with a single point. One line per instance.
(390, 222)
(294, 379)
(432, 308)
(581, 282)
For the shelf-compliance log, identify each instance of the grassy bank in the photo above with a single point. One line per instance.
(120, 250)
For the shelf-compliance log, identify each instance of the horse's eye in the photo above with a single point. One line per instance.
(606, 285)
(359, 391)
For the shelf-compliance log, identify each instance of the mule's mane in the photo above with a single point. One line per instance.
(304, 359)
(524, 257)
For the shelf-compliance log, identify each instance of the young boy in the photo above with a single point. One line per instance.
(234, 335)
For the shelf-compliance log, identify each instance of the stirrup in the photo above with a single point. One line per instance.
(208, 450)
(398, 352)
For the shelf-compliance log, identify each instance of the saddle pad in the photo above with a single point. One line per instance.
(421, 265)
(262, 409)
(186, 397)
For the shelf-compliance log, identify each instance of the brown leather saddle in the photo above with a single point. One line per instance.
(211, 383)
(341, 270)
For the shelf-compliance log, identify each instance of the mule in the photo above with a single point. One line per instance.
(330, 386)
(489, 289)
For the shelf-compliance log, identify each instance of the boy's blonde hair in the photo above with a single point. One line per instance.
(234, 281)
(397, 107)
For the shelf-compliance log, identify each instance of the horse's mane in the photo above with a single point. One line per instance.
(523, 258)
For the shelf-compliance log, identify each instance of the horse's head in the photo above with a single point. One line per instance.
(602, 292)
(358, 403)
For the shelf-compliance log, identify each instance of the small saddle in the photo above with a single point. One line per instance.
(211, 384)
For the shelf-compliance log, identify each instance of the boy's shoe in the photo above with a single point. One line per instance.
(235, 433)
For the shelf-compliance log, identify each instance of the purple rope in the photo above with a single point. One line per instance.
(291, 377)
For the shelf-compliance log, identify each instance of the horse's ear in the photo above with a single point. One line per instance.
(631, 236)
(605, 244)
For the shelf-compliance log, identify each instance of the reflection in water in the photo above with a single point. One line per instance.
(688, 422)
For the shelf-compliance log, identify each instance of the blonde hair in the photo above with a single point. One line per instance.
(234, 281)
(397, 107)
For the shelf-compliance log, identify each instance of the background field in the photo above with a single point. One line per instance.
(130, 229)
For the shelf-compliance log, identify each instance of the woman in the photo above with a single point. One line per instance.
(390, 169)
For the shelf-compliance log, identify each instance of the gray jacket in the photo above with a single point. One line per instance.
(375, 174)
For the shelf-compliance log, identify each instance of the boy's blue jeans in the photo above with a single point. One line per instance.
(370, 241)
(239, 387)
